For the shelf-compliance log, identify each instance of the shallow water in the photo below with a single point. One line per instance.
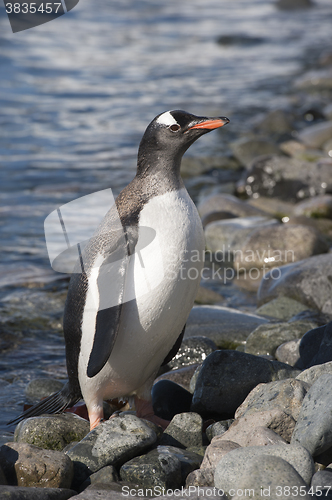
(76, 95)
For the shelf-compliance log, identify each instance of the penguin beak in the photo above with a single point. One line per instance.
(211, 123)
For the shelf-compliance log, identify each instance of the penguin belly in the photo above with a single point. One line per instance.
(152, 321)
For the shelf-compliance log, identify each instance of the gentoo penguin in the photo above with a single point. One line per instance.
(115, 347)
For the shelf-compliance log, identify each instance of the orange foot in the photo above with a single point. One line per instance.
(144, 409)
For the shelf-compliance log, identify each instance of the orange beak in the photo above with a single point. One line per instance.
(211, 124)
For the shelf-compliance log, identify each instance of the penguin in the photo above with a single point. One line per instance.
(118, 328)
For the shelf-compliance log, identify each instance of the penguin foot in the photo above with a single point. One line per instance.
(144, 409)
(96, 417)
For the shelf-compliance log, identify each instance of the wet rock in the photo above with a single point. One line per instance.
(265, 339)
(308, 281)
(227, 327)
(316, 347)
(200, 477)
(27, 465)
(193, 350)
(169, 399)
(106, 475)
(289, 352)
(245, 150)
(181, 376)
(276, 122)
(52, 432)
(218, 428)
(228, 203)
(41, 388)
(25, 493)
(310, 375)
(227, 377)
(272, 245)
(289, 179)
(314, 426)
(315, 80)
(293, 4)
(184, 430)
(281, 308)
(315, 135)
(215, 451)
(111, 443)
(227, 236)
(205, 296)
(287, 394)
(231, 467)
(318, 206)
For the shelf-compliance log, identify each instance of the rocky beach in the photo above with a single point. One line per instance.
(248, 394)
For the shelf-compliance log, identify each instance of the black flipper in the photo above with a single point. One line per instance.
(55, 403)
(174, 349)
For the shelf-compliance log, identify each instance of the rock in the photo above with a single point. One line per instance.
(227, 377)
(292, 148)
(245, 150)
(316, 347)
(277, 122)
(194, 166)
(25, 493)
(310, 375)
(235, 39)
(289, 352)
(281, 308)
(111, 443)
(263, 436)
(205, 296)
(106, 475)
(293, 4)
(265, 339)
(218, 428)
(189, 460)
(3, 480)
(228, 203)
(314, 426)
(169, 399)
(315, 135)
(227, 327)
(288, 179)
(318, 206)
(308, 281)
(286, 394)
(40, 388)
(315, 80)
(181, 377)
(272, 206)
(272, 245)
(215, 451)
(27, 465)
(184, 430)
(271, 478)
(52, 432)
(322, 480)
(227, 236)
(200, 477)
(193, 350)
(230, 468)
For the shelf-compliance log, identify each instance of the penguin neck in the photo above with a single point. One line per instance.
(160, 168)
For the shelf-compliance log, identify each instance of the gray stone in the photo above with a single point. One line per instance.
(227, 327)
(287, 394)
(281, 308)
(313, 429)
(200, 477)
(308, 281)
(216, 450)
(315, 135)
(292, 148)
(263, 436)
(318, 206)
(204, 493)
(52, 432)
(193, 350)
(230, 468)
(322, 480)
(181, 376)
(169, 399)
(205, 296)
(227, 203)
(265, 339)
(26, 493)
(189, 460)
(27, 465)
(40, 388)
(315, 80)
(310, 375)
(316, 347)
(111, 443)
(218, 428)
(288, 352)
(227, 377)
(276, 122)
(106, 475)
(3, 480)
(247, 149)
(184, 430)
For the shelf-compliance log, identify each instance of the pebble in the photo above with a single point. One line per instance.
(308, 281)
(314, 426)
(227, 203)
(169, 399)
(33, 493)
(310, 375)
(246, 150)
(289, 352)
(185, 430)
(281, 308)
(227, 327)
(193, 350)
(27, 465)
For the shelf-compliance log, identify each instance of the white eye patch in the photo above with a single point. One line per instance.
(167, 119)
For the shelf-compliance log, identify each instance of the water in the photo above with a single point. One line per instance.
(75, 97)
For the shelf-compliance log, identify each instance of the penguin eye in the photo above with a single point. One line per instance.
(175, 127)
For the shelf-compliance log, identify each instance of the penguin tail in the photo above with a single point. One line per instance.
(55, 403)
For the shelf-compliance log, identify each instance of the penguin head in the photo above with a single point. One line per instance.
(171, 133)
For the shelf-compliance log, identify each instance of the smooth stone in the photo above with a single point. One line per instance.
(310, 375)
(263, 436)
(229, 235)
(315, 135)
(316, 347)
(273, 206)
(227, 377)
(318, 206)
(277, 122)
(308, 281)
(181, 376)
(27, 465)
(228, 203)
(286, 394)
(215, 451)
(293, 4)
(288, 179)
(289, 352)
(184, 430)
(194, 166)
(40, 388)
(292, 147)
(315, 80)
(52, 432)
(193, 350)
(247, 149)
(227, 327)
(214, 216)
(218, 428)
(281, 308)
(200, 477)
(111, 443)
(272, 478)
(322, 480)
(169, 399)
(230, 468)
(25, 493)
(205, 296)
(189, 459)
(313, 429)
(265, 339)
